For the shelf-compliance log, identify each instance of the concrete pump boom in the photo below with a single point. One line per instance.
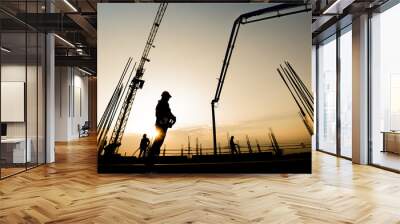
(246, 18)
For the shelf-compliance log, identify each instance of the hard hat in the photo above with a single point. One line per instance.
(165, 94)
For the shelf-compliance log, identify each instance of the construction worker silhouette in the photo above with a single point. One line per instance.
(233, 146)
(164, 120)
(144, 143)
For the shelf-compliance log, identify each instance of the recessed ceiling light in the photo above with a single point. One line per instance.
(84, 71)
(70, 5)
(326, 11)
(64, 40)
(337, 7)
(5, 50)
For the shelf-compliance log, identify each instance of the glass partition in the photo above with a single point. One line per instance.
(41, 96)
(22, 92)
(13, 89)
(31, 97)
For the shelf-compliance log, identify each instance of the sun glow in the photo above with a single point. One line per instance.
(154, 133)
(143, 126)
(150, 132)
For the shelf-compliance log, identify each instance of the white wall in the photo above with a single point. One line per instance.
(80, 110)
(62, 81)
(71, 102)
(12, 73)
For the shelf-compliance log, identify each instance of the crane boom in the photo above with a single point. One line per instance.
(105, 118)
(136, 83)
(245, 19)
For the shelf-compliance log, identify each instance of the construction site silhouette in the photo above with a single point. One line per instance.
(270, 157)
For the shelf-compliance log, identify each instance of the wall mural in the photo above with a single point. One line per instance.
(217, 88)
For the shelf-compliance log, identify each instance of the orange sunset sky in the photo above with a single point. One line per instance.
(190, 46)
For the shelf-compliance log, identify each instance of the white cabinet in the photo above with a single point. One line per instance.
(17, 145)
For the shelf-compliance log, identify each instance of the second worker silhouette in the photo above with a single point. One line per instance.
(144, 143)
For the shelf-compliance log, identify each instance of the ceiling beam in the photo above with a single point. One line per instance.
(83, 23)
(81, 61)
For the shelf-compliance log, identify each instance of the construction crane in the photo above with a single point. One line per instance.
(300, 94)
(134, 84)
(246, 18)
(121, 90)
(112, 105)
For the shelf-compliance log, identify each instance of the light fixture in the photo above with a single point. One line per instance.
(5, 50)
(64, 40)
(70, 5)
(84, 71)
(80, 51)
(328, 10)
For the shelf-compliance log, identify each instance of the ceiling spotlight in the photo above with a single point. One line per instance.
(337, 7)
(64, 40)
(5, 50)
(84, 71)
(70, 5)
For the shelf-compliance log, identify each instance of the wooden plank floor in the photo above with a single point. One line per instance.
(70, 191)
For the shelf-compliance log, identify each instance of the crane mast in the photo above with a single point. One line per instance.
(136, 82)
(111, 107)
(246, 18)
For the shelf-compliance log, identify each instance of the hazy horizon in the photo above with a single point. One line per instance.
(190, 46)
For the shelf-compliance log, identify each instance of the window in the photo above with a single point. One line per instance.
(394, 102)
(346, 92)
(334, 106)
(327, 95)
(385, 89)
